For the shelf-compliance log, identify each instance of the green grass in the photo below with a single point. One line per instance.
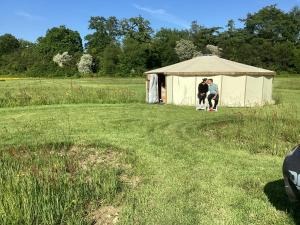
(70, 91)
(194, 167)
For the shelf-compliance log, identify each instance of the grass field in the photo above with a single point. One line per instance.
(95, 158)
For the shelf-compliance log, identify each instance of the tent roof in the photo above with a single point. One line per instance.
(210, 65)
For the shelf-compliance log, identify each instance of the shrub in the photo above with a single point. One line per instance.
(85, 64)
(62, 59)
(186, 49)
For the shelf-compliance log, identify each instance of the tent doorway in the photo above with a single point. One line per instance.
(162, 88)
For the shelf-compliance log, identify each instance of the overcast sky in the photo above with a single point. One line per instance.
(29, 19)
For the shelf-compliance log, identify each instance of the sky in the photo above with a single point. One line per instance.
(30, 19)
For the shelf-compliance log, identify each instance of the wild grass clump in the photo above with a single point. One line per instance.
(50, 185)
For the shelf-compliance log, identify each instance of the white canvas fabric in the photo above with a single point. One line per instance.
(153, 89)
(211, 65)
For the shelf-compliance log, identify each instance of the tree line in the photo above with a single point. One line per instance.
(128, 47)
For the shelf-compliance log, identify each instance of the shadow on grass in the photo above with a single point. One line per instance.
(276, 193)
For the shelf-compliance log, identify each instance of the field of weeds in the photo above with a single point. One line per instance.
(92, 162)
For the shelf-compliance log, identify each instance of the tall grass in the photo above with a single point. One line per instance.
(269, 130)
(47, 92)
(49, 184)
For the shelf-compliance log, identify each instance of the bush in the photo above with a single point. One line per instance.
(51, 70)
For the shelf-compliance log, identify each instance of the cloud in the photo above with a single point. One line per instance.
(163, 15)
(27, 15)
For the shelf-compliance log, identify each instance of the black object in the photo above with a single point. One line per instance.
(291, 174)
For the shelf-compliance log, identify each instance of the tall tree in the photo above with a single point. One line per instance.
(136, 45)
(106, 31)
(164, 43)
(202, 36)
(295, 16)
(271, 23)
(137, 28)
(59, 40)
(110, 59)
(8, 44)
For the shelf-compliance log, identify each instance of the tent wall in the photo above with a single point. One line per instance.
(169, 82)
(254, 87)
(267, 90)
(233, 91)
(183, 91)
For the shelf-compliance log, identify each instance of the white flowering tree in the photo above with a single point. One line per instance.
(62, 59)
(186, 49)
(214, 50)
(85, 64)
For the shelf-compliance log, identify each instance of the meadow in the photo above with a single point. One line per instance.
(90, 151)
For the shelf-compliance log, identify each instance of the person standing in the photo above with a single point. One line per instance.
(213, 95)
(202, 91)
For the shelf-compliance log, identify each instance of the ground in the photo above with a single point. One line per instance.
(91, 151)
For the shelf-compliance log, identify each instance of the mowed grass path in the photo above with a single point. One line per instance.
(194, 167)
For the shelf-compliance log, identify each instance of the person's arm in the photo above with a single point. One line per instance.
(217, 92)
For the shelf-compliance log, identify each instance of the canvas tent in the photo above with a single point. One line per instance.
(240, 85)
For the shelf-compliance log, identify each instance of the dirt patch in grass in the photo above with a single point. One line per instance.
(106, 215)
(88, 157)
(132, 181)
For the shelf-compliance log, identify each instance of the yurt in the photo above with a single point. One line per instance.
(239, 85)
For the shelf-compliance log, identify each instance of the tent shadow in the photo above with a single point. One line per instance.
(276, 194)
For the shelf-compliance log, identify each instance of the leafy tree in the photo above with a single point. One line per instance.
(296, 59)
(185, 50)
(59, 40)
(271, 23)
(202, 36)
(295, 17)
(136, 46)
(231, 26)
(8, 44)
(106, 31)
(283, 56)
(134, 57)
(110, 59)
(164, 43)
(214, 50)
(137, 28)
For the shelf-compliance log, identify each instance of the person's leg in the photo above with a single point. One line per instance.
(216, 101)
(204, 97)
(201, 99)
(209, 100)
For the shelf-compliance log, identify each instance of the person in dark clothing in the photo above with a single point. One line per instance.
(202, 91)
(291, 174)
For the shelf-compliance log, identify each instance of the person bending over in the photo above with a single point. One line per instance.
(202, 91)
(213, 95)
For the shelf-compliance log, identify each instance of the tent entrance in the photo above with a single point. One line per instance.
(162, 88)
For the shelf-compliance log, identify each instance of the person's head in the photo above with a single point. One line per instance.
(210, 81)
(204, 80)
